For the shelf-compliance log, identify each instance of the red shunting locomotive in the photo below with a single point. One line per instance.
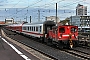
(64, 35)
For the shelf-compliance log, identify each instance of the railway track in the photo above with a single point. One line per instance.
(84, 40)
(32, 48)
(50, 56)
(86, 47)
(78, 53)
(55, 56)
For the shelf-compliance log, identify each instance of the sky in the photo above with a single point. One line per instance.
(22, 9)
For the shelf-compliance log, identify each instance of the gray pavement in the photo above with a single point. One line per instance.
(7, 53)
(10, 51)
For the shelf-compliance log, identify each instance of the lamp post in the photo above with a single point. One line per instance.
(56, 14)
(38, 15)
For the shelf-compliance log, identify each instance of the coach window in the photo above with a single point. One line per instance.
(62, 30)
(30, 28)
(37, 28)
(24, 28)
(34, 28)
(40, 28)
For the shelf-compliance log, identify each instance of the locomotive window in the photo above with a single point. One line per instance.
(73, 30)
(62, 30)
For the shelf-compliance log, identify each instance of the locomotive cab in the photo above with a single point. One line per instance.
(47, 25)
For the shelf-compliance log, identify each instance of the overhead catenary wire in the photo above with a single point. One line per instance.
(48, 4)
(37, 6)
(28, 6)
(70, 4)
(44, 5)
(75, 2)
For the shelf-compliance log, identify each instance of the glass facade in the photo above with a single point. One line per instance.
(75, 20)
(83, 22)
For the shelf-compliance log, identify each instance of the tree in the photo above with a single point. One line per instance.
(67, 20)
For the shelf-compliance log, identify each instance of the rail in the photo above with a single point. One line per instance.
(84, 38)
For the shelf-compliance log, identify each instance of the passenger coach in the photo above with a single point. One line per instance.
(39, 29)
(15, 27)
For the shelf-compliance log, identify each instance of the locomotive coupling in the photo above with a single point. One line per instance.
(70, 40)
(45, 35)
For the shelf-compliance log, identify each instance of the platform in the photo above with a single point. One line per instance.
(7, 53)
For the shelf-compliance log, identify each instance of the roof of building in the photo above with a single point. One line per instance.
(2, 22)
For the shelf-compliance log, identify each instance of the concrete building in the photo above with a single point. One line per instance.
(9, 21)
(81, 10)
(2, 22)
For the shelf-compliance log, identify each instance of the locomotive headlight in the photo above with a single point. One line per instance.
(59, 36)
(76, 36)
(68, 27)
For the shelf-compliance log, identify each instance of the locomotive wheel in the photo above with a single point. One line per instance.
(76, 44)
(60, 46)
(49, 42)
(42, 39)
